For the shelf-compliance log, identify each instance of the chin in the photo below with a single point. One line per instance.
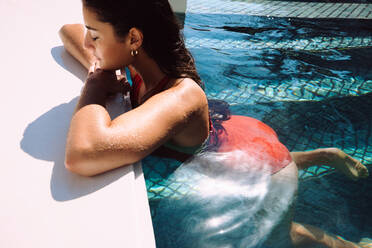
(107, 67)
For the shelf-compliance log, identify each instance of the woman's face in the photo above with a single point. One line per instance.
(101, 40)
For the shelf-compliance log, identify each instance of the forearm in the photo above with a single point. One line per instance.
(91, 148)
(72, 36)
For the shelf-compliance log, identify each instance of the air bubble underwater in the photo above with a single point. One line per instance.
(223, 204)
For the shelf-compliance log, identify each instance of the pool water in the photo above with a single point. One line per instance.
(311, 81)
(313, 95)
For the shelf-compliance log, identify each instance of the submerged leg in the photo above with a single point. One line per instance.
(332, 157)
(307, 236)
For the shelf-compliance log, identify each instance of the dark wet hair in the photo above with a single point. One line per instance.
(219, 111)
(163, 40)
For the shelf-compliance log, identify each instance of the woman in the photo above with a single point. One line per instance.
(170, 115)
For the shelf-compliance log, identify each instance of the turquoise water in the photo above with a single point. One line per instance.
(314, 95)
(311, 81)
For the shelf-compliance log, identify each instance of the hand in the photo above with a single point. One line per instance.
(107, 81)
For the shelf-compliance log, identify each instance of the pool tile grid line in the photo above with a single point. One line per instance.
(311, 44)
(370, 12)
(318, 10)
(340, 13)
(298, 9)
(282, 8)
(277, 7)
(265, 8)
(330, 10)
(306, 11)
(357, 11)
(366, 12)
(286, 9)
(349, 11)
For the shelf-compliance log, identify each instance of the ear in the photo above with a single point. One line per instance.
(136, 38)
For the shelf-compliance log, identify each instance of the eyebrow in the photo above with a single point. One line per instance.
(90, 28)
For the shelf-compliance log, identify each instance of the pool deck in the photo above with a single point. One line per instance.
(42, 204)
(290, 9)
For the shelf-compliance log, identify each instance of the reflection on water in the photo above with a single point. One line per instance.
(311, 80)
(298, 75)
(222, 205)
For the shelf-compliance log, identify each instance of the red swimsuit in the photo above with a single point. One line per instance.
(247, 134)
(256, 139)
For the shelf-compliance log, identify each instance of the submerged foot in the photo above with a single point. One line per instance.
(346, 164)
(346, 243)
(365, 243)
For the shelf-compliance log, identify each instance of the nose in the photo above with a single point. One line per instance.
(88, 42)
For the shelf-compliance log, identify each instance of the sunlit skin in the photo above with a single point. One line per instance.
(101, 40)
(96, 143)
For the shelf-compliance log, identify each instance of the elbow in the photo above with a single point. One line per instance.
(67, 30)
(77, 168)
(64, 30)
(77, 162)
(87, 162)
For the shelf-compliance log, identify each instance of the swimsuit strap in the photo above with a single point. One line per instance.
(134, 93)
(158, 88)
(137, 82)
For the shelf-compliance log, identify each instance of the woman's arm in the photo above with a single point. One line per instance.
(96, 143)
(72, 36)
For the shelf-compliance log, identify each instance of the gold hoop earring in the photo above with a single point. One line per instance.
(134, 53)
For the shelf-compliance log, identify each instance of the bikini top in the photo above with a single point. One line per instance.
(169, 149)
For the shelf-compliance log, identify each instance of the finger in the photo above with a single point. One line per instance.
(97, 65)
(91, 69)
(124, 86)
(119, 75)
(124, 82)
(123, 73)
(94, 67)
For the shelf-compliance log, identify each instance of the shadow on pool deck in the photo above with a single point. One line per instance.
(45, 139)
(64, 59)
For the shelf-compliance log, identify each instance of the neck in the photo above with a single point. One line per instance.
(148, 69)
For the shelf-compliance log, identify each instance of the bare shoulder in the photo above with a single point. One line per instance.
(188, 91)
(177, 104)
(190, 110)
(183, 107)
